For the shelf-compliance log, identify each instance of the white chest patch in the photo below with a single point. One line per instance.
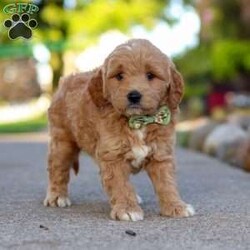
(140, 150)
(140, 153)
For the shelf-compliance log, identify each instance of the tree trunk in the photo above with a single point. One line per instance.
(57, 66)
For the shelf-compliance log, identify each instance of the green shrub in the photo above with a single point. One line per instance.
(219, 62)
(230, 58)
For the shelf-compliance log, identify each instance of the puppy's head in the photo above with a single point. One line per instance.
(137, 78)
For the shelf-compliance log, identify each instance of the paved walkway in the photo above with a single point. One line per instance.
(220, 194)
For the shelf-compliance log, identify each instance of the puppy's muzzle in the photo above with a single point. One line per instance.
(134, 97)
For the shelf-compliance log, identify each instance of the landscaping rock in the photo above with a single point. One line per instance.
(198, 135)
(224, 138)
(246, 155)
(242, 120)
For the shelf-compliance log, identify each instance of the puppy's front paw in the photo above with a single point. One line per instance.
(178, 210)
(127, 213)
(55, 200)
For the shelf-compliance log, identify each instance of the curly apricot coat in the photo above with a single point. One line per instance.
(90, 112)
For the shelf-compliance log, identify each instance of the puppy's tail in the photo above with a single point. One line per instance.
(75, 166)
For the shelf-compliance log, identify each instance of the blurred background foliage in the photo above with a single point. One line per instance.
(223, 52)
(221, 57)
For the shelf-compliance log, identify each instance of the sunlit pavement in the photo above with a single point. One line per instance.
(25, 137)
(219, 193)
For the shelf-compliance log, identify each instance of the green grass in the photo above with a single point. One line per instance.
(31, 125)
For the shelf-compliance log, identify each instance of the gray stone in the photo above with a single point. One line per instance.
(224, 134)
(199, 134)
(242, 120)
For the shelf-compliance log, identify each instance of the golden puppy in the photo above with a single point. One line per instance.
(92, 111)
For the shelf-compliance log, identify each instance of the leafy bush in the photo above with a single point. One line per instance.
(230, 58)
(195, 66)
(221, 61)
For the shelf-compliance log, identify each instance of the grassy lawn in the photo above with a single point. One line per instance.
(32, 125)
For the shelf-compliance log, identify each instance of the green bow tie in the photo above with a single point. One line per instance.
(163, 117)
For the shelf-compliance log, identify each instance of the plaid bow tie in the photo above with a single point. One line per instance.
(163, 117)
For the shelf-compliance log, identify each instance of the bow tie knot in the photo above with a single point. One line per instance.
(163, 117)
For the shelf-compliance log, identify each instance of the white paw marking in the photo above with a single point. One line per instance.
(189, 210)
(63, 202)
(46, 202)
(139, 199)
(132, 216)
(135, 216)
(54, 201)
(125, 217)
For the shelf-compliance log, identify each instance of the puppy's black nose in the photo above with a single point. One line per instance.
(134, 96)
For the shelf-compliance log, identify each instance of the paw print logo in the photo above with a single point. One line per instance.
(20, 26)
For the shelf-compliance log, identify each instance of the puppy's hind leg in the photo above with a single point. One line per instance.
(62, 156)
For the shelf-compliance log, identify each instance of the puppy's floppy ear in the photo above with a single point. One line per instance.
(176, 88)
(96, 89)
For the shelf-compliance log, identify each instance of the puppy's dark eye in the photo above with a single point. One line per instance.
(119, 76)
(150, 76)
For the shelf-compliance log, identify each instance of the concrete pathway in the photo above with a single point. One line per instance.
(219, 193)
